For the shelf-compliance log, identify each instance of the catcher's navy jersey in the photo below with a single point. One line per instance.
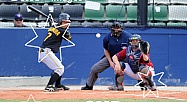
(113, 44)
(133, 58)
(54, 39)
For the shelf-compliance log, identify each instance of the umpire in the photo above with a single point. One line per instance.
(113, 42)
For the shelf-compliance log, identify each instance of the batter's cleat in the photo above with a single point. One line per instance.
(50, 88)
(143, 88)
(87, 87)
(62, 87)
(114, 88)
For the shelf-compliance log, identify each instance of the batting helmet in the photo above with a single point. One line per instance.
(63, 17)
(115, 29)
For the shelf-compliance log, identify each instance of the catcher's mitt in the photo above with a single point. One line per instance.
(144, 47)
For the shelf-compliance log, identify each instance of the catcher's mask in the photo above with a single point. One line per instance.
(116, 29)
(63, 17)
(134, 40)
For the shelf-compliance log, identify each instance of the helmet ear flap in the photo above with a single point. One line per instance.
(59, 21)
(63, 17)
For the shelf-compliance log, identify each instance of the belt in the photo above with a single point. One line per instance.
(41, 50)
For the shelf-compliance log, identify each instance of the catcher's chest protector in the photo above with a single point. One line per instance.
(132, 58)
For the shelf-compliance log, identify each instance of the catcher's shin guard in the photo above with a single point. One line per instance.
(142, 85)
(119, 80)
(148, 78)
(151, 83)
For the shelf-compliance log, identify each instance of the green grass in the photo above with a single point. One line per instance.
(97, 100)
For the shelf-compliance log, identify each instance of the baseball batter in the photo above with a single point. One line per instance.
(51, 46)
(113, 42)
(137, 60)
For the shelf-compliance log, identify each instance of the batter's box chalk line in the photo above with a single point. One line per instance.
(150, 91)
(31, 98)
(27, 44)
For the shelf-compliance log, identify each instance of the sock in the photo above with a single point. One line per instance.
(58, 81)
(53, 78)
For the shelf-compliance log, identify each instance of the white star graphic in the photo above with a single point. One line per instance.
(150, 91)
(31, 97)
(36, 36)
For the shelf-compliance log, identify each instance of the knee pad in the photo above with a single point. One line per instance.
(145, 71)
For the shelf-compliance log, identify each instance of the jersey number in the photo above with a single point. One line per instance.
(48, 36)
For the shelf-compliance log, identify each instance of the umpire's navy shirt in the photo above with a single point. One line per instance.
(113, 44)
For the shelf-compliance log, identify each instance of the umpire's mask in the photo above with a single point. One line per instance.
(116, 29)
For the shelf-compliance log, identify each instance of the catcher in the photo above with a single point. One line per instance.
(137, 60)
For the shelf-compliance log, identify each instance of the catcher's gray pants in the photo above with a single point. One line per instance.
(96, 69)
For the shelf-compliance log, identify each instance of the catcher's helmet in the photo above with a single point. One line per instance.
(115, 29)
(135, 37)
(63, 17)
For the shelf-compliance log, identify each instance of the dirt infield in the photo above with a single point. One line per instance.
(23, 88)
(91, 94)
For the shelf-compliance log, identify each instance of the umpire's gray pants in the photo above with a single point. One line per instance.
(96, 69)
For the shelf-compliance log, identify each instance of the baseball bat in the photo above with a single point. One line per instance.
(37, 11)
(40, 13)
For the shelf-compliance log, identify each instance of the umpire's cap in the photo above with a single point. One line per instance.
(64, 17)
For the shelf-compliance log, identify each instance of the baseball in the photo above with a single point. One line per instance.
(98, 35)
